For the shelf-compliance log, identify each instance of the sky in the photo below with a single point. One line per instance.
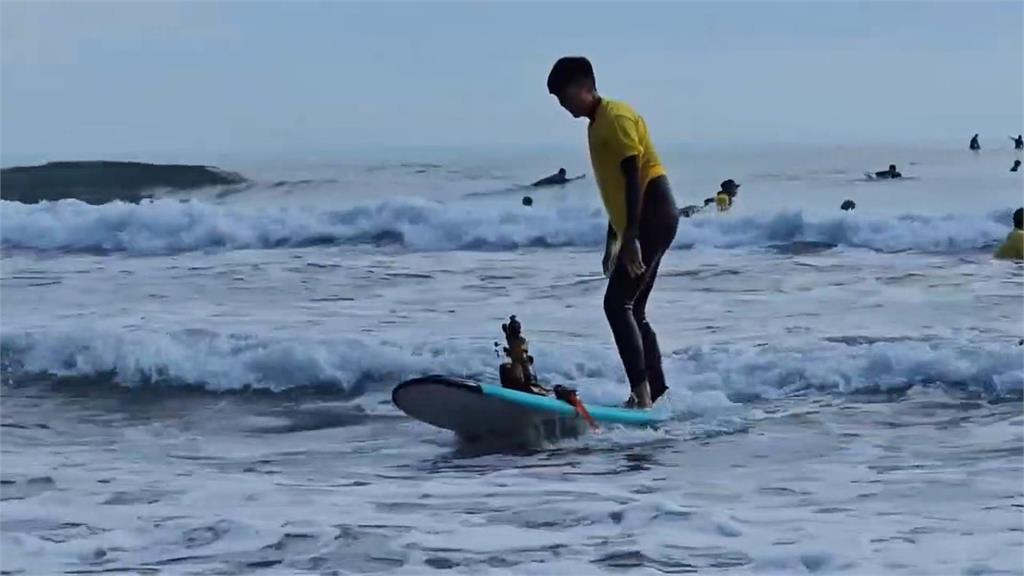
(87, 80)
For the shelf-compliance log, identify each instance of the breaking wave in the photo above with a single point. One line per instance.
(167, 226)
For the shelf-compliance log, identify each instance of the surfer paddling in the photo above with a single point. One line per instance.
(642, 218)
(557, 179)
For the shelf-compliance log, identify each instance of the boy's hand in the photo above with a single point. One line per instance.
(629, 255)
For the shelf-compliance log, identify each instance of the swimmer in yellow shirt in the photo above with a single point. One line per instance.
(642, 218)
(1013, 246)
(725, 196)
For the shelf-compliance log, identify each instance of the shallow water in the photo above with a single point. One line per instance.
(207, 391)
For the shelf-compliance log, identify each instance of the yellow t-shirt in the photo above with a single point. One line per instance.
(1013, 247)
(616, 133)
(723, 201)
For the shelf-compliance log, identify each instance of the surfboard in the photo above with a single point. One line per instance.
(476, 410)
(873, 178)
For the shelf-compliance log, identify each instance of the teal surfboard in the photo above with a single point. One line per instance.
(475, 410)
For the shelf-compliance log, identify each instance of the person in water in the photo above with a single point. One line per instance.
(642, 218)
(848, 205)
(1018, 142)
(725, 196)
(975, 145)
(1013, 247)
(556, 179)
(891, 173)
(1016, 166)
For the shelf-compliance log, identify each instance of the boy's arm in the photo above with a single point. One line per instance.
(629, 252)
(624, 140)
(631, 170)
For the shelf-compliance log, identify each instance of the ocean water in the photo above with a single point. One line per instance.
(200, 383)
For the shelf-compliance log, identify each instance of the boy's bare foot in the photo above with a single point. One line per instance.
(640, 397)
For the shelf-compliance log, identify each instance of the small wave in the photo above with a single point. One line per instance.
(949, 233)
(167, 227)
(701, 377)
(218, 362)
(994, 371)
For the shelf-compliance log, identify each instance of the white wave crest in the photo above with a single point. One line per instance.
(700, 377)
(167, 227)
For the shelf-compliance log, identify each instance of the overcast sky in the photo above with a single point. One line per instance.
(86, 79)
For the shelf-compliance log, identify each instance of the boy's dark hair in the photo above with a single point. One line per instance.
(567, 70)
(1018, 218)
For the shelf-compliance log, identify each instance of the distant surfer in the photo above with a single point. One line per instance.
(1016, 166)
(1018, 142)
(891, 174)
(556, 179)
(1013, 247)
(725, 196)
(642, 218)
(975, 145)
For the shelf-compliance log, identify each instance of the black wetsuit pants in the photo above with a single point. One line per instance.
(625, 300)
